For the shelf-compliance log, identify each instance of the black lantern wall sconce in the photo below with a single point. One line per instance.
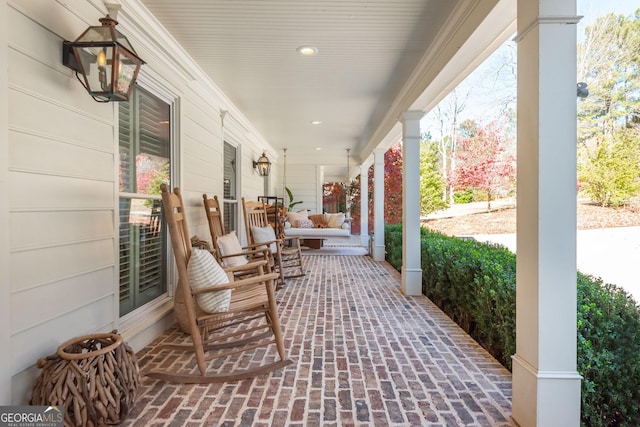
(262, 165)
(104, 61)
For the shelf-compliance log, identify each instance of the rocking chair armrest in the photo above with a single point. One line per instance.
(257, 252)
(249, 253)
(266, 243)
(249, 281)
(246, 267)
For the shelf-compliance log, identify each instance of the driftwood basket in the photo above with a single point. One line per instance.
(95, 378)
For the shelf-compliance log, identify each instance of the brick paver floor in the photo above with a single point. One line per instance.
(364, 355)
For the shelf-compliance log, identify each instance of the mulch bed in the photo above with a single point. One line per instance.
(503, 221)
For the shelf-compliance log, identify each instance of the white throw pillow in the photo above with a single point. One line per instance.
(228, 245)
(294, 217)
(204, 272)
(264, 234)
(335, 220)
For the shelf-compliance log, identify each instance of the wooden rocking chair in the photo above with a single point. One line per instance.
(226, 247)
(250, 320)
(286, 251)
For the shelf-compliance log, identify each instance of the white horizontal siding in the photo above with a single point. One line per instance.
(62, 171)
(42, 266)
(53, 299)
(45, 338)
(62, 191)
(31, 113)
(46, 155)
(46, 192)
(38, 229)
(5, 306)
(302, 181)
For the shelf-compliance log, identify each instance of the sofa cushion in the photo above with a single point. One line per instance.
(319, 220)
(335, 220)
(304, 223)
(204, 272)
(294, 217)
(228, 245)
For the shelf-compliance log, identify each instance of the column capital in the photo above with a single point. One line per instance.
(378, 154)
(411, 115)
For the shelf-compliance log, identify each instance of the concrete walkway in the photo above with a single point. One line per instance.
(609, 253)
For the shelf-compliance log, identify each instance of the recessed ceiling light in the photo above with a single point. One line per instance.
(318, 148)
(316, 122)
(307, 50)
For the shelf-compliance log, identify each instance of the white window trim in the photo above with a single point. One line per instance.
(143, 324)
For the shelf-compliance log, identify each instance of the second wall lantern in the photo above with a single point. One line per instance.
(104, 61)
(262, 165)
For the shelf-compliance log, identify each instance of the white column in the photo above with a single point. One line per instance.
(319, 188)
(411, 266)
(378, 205)
(5, 283)
(364, 206)
(546, 384)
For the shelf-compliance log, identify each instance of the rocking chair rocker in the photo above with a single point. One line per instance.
(224, 317)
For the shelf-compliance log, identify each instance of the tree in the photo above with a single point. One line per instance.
(492, 87)
(609, 62)
(393, 184)
(446, 115)
(609, 118)
(432, 182)
(485, 162)
(392, 190)
(611, 176)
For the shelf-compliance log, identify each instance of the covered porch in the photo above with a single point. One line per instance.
(61, 209)
(363, 354)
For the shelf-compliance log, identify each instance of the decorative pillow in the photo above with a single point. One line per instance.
(304, 223)
(204, 272)
(318, 220)
(335, 220)
(294, 217)
(265, 234)
(229, 244)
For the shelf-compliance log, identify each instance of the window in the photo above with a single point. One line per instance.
(145, 147)
(230, 183)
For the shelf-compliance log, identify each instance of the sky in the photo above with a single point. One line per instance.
(492, 82)
(591, 9)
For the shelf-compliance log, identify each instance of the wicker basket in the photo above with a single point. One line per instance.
(95, 378)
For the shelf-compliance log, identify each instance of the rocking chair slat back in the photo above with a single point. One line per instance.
(252, 308)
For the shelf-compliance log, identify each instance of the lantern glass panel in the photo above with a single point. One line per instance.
(96, 66)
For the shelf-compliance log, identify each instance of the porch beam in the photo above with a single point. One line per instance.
(546, 384)
(378, 204)
(411, 266)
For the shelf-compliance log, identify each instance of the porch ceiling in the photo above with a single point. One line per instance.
(375, 58)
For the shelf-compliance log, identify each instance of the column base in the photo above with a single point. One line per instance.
(411, 281)
(378, 253)
(544, 398)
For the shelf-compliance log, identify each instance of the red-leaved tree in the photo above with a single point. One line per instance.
(393, 184)
(484, 161)
(392, 191)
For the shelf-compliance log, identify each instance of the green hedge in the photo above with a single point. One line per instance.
(474, 283)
